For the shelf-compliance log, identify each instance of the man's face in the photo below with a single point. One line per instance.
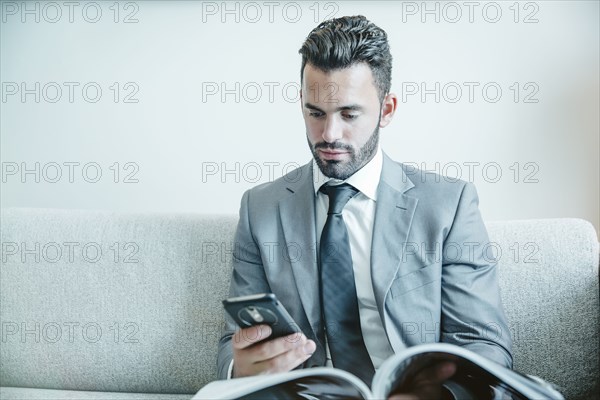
(341, 111)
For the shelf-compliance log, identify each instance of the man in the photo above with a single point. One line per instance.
(413, 248)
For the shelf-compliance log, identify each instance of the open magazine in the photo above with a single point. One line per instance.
(476, 378)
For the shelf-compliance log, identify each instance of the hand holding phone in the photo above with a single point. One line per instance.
(255, 349)
(261, 309)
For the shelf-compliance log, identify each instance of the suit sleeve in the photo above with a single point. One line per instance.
(472, 312)
(248, 277)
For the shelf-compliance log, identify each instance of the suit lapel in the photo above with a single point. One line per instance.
(297, 213)
(393, 217)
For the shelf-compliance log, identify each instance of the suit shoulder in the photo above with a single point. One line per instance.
(430, 180)
(436, 190)
(440, 198)
(280, 187)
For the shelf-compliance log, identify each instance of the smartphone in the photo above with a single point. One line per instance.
(258, 309)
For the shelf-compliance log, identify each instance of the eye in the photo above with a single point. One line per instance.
(315, 114)
(350, 116)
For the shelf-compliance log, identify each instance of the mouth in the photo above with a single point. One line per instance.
(333, 154)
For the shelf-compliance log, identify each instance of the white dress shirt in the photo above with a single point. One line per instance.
(359, 215)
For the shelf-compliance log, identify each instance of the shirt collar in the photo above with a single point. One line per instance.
(365, 179)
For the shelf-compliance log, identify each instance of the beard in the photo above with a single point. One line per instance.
(343, 170)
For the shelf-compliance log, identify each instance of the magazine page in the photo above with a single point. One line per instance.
(476, 377)
(310, 383)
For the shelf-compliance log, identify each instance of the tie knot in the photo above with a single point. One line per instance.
(339, 195)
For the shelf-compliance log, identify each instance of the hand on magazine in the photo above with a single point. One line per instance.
(276, 355)
(428, 383)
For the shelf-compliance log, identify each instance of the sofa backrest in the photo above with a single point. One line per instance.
(548, 272)
(132, 303)
(93, 300)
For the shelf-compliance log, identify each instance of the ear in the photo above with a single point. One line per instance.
(300, 91)
(388, 108)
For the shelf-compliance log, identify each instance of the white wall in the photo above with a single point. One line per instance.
(177, 131)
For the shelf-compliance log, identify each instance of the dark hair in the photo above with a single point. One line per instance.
(342, 42)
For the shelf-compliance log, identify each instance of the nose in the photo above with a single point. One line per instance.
(332, 130)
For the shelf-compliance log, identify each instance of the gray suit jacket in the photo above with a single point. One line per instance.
(433, 271)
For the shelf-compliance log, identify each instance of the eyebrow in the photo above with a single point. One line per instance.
(350, 107)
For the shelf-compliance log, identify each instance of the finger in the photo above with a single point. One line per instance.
(428, 383)
(288, 360)
(246, 337)
(436, 374)
(302, 353)
(445, 371)
(275, 347)
(309, 347)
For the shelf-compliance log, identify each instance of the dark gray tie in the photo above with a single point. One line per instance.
(338, 290)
